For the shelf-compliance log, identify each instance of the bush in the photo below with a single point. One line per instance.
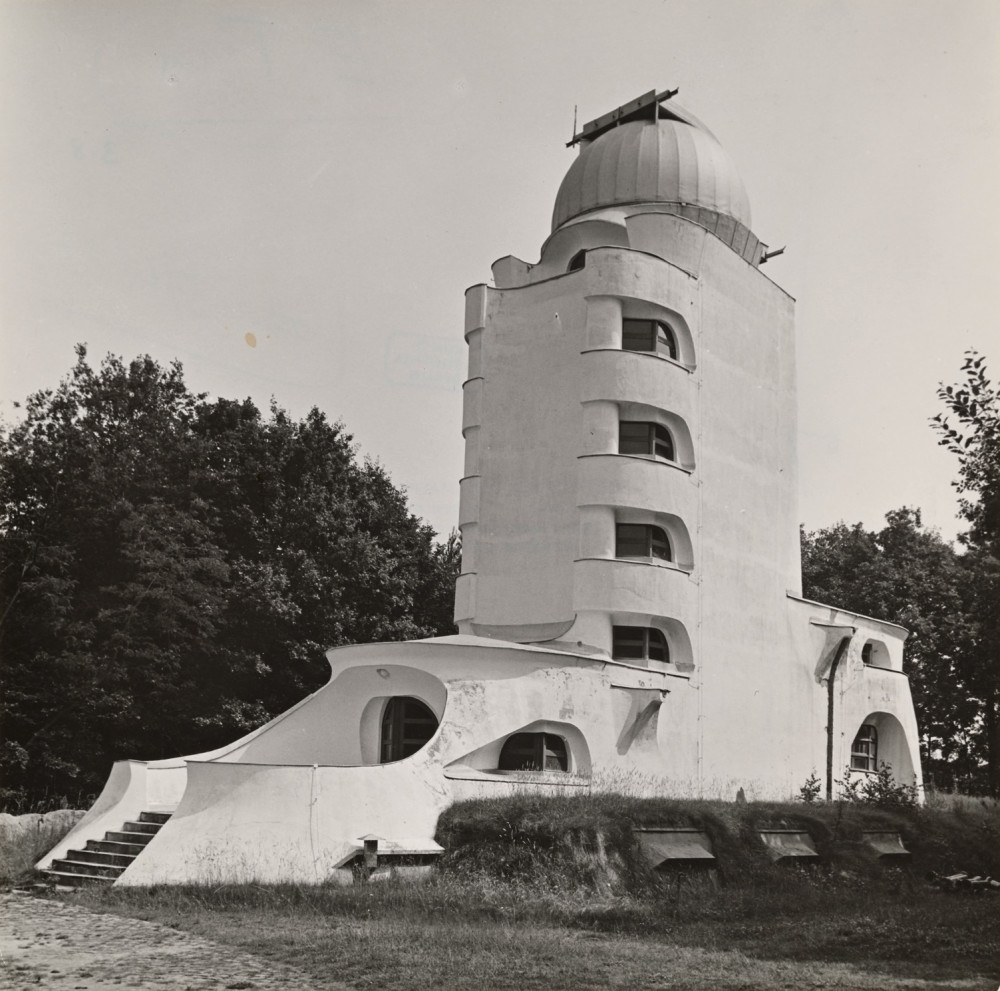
(880, 789)
(809, 792)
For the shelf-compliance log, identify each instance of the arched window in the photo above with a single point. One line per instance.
(534, 752)
(864, 749)
(645, 438)
(577, 261)
(639, 643)
(874, 654)
(407, 724)
(642, 540)
(649, 335)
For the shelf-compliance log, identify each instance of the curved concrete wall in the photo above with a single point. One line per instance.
(643, 483)
(242, 820)
(331, 728)
(633, 586)
(641, 378)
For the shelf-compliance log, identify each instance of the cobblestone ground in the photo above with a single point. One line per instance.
(46, 943)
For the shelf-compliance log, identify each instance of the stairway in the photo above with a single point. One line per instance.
(104, 861)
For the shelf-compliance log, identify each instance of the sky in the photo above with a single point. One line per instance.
(290, 198)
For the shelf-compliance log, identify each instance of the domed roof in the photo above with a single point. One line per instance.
(662, 161)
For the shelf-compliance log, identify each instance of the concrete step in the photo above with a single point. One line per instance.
(127, 836)
(103, 861)
(85, 869)
(139, 826)
(131, 850)
(154, 817)
(103, 858)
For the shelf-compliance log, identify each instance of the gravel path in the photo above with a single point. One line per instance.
(46, 943)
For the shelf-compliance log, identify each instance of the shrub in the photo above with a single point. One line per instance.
(809, 792)
(879, 789)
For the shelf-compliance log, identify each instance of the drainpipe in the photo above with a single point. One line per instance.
(841, 650)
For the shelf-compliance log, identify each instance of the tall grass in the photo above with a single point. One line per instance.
(553, 892)
(26, 839)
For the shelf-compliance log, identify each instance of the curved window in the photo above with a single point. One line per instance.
(639, 643)
(864, 749)
(645, 438)
(577, 261)
(874, 654)
(534, 752)
(648, 335)
(407, 724)
(642, 540)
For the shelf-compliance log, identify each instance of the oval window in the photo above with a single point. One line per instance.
(407, 725)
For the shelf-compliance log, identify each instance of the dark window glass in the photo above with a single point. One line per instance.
(866, 653)
(639, 643)
(534, 752)
(658, 649)
(636, 437)
(407, 724)
(663, 443)
(631, 540)
(666, 343)
(659, 544)
(641, 540)
(629, 643)
(577, 261)
(637, 335)
(648, 335)
(633, 438)
(864, 750)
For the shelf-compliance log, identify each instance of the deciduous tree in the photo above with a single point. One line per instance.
(970, 429)
(174, 568)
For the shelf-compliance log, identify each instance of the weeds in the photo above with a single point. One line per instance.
(809, 792)
(473, 931)
(880, 789)
(554, 892)
(25, 839)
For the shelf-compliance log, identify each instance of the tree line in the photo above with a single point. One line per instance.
(172, 569)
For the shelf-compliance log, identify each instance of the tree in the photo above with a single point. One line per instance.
(975, 440)
(970, 429)
(173, 570)
(908, 575)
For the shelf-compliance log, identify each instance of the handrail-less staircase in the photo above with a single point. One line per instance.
(104, 861)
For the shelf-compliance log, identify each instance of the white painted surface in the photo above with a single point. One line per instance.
(744, 701)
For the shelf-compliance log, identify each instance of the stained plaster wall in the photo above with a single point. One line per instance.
(241, 819)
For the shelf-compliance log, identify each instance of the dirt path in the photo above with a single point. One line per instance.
(46, 943)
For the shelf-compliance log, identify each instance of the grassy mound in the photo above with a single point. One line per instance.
(541, 893)
(588, 841)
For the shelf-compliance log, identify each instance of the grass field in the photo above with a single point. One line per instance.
(549, 894)
(473, 933)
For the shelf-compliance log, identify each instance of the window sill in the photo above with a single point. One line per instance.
(687, 469)
(646, 562)
(644, 354)
(558, 779)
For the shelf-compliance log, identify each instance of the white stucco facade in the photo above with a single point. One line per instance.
(651, 224)
(691, 668)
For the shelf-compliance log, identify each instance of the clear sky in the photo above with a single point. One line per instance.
(291, 198)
